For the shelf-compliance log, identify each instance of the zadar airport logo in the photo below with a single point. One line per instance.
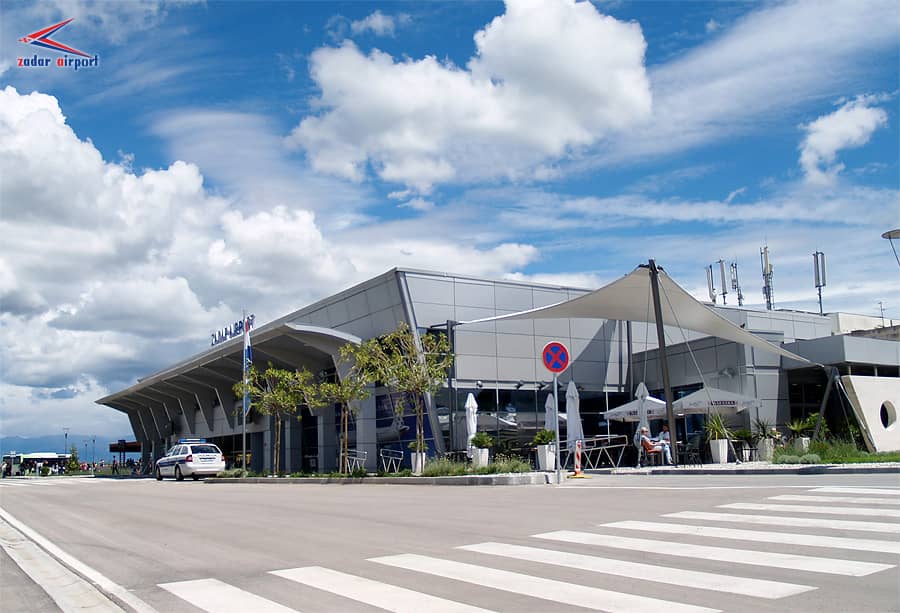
(41, 38)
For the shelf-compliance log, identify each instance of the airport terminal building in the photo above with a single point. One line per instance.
(499, 363)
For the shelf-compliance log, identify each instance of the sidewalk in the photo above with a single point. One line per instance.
(755, 468)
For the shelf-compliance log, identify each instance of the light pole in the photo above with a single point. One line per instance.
(93, 448)
(85, 450)
(66, 440)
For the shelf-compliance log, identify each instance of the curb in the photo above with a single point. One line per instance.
(533, 478)
(812, 469)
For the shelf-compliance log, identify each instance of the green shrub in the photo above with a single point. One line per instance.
(45, 471)
(482, 440)
(233, 473)
(505, 464)
(359, 473)
(544, 437)
(787, 458)
(443, 467)
(810, 458)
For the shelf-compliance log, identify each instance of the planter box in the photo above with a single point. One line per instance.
(765, 449)
(418, 462)
(801, 444)
(480, 457)
(718, 449)
(546, 455)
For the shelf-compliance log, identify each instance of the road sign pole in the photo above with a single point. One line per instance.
(556, 428)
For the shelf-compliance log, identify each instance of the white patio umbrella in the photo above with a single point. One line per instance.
(630, 411)
(471, 422)
(714, 400)
(550, 414)
(574, 431)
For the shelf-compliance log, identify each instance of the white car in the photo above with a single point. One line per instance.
(190, 458)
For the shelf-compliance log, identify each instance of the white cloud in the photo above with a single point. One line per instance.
(764, 67)
(547, 76)
(852, 125)
(379, 23)
(107, 274)
(712, 25)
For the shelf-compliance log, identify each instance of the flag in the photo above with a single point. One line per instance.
(248, 361)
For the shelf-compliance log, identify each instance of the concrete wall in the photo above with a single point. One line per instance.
(876, 403)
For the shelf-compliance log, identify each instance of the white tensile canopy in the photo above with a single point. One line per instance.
(628, 299)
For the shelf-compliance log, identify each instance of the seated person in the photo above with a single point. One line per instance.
(660, 446)
(664, 434)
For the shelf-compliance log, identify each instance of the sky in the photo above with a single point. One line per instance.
(220, 156)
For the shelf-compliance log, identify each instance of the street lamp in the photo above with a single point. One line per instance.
(93, 447)
(891, 235)
(66, 443)
(85, 450)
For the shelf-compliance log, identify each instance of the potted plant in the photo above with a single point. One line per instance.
(482, 442)
(798, 430)
(416, 458)
(544, 441)
(766, 434)
(745, 436)
(717, 434)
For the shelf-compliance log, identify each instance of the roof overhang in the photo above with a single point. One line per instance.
(285, 344)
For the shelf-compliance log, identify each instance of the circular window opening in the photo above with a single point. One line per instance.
(888, 415)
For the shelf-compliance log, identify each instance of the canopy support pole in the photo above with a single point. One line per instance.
(663, 361)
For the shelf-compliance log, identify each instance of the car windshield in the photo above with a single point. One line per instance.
(204, 449)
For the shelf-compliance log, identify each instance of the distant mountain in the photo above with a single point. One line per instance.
(56, 443)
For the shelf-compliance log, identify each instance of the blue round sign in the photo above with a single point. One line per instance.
(555, 357)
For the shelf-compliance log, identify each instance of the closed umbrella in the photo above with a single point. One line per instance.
(574, 431)
(471, 422)
(550, 414)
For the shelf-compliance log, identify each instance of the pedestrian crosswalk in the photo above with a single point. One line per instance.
(595, 568)
(11, 483)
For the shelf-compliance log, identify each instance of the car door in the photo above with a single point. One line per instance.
(168, 463)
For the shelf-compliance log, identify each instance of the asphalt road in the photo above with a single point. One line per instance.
(143, 535)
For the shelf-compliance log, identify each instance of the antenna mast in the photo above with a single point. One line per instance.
(736, 283)
(767, 269)
(711, 283)
(724, 286)
(819, 265)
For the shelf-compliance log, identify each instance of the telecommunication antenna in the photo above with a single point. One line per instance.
(724, 285)
(819, 264)
(767, 270)
(711, 283)
(881, 306)
(736, 283)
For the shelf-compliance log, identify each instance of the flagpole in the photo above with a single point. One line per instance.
(244, 404)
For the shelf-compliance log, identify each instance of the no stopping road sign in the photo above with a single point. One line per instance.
(555, 357)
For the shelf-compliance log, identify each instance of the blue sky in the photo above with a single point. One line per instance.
(229, 155)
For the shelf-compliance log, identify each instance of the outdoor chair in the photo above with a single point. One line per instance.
(691, 453)
(649, 455)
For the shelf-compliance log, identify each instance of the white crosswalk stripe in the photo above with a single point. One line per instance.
(857, 490)
(844, 499)
(217, 597)
(650, 572)
(777, 520)
(595, 552)
(823, 510)
(785, 538)
(832, 566)
(536, 587)
(378, 594)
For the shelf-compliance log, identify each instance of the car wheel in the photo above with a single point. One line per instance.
(195, 477)
(178, 475)
(158, 474)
